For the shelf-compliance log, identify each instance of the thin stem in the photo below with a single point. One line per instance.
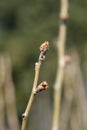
(43, 49)
(37, 69)
(61, 63)
(9, 90)
(2, 102)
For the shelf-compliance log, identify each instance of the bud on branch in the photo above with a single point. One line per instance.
(42, 86)
(43, 49)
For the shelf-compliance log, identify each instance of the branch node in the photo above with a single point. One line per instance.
(24, 115)
(62, 62)
(36, 64)
(42, 56)
(63, 21)
(67, 58)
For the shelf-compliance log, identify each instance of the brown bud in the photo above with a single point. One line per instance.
(42, 86)
(44, 46)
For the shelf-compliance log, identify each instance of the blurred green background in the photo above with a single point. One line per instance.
(24, 25)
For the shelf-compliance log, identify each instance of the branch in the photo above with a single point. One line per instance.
(2, 102)
(9, 90)
(61, 63)
(43, 49)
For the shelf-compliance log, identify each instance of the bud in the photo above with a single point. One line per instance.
(42, 86)
(44, 47)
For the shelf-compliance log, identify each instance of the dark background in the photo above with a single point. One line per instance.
(24, 25)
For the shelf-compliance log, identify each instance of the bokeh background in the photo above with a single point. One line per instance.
(24, 25)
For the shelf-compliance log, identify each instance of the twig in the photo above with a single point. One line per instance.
(43, 49)
(2, 79)
(61, 63)
(68, 96)
(9, 89)
(79, 111)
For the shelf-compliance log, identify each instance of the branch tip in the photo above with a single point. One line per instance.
(44, 46)
(43, 49)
